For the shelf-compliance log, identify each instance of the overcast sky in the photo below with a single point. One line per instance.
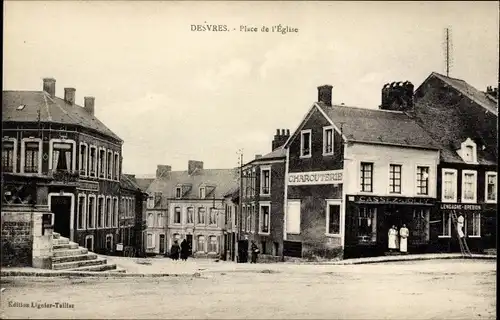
(173, 94)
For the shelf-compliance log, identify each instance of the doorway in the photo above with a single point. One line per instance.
(243, 251)
(61, 206)
(162, 243)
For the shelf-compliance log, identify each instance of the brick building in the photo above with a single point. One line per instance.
(188, 205)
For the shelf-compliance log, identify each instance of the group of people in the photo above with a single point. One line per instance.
(181, 251)
(398, 240)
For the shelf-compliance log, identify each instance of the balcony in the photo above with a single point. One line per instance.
(31, 169)
(64, 176)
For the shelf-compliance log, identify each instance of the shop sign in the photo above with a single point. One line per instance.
(391, 200)
(88, 185)
(314, 177)
(460, 206)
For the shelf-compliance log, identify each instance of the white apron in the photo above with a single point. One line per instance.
(392, 238)
(403, 246)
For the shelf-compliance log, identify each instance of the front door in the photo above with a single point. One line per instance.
(189, 239)
(61, 208)
(162, 243)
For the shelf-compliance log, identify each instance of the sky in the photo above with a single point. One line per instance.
(173, 94)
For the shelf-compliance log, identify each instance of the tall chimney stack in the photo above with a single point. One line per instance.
(88, 104)
(325, 94)
(69, 95)
(49, 86)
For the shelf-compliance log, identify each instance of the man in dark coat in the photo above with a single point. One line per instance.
(174, 251)
(255, 251)
(184, 250)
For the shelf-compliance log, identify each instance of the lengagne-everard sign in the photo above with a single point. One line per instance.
(314, 177)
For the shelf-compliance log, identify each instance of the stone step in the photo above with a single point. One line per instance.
(56, 235)
(70, 245)
(117, 270)
(101, 267)
(69, 252)
(80, 257)
(60, 241)
(78, 264)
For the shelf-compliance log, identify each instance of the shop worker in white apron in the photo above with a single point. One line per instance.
(403, 244)
(392, 235)
(460, 226)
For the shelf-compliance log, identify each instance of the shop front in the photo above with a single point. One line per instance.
(369, 218)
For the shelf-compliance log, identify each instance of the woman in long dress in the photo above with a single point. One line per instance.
(392, 238)
(404, 233)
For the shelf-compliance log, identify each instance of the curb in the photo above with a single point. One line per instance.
(474, 257)
(71, 274)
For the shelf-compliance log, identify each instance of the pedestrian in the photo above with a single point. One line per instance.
(255, 251)
(174, 251)
(184, 250)
(460, 226)
(392, 235)
(397, 237)
(404, 233)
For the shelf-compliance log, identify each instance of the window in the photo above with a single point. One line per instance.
(200, 247)
(109, 164)
(395, 178)
(89, 242)
(422, 180)
(108, 220)
(178, 193)
(305, 143)
(469, 186)
(109, 242)
(252, 221)
(327, 141)
(80, 223)
(190, 215)
(91, 212)
(212, 244)
(100, 212)
(92, 169)
(9, 155)
(491, 187)
(333, 219)
(473, 222)
(160, 220)
(293, 217)
(177, 215)
(449, 192)
(151, 221)
(117, 166)
(157, 199)
(102, 163)
(201, 215)
(468, 151)
(150, 240)
(151, 202)
(366, 177)
(62, 157)
(202, 193)
(446, 222)
(32, 157)
(249, 219)
(212, 217)
(264, 218)
(367, 224)
(83, 159)
(244, 218)
(115, 212)
(265, 178)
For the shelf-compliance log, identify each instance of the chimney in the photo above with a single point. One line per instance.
(325, 94)
(194, 166)
(280, 138)
(88, 104)
(163, 171)
(397, 96)
(69, 95)
(493, 92)
(49, 86)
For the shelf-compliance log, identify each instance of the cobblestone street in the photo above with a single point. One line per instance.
(437, 289)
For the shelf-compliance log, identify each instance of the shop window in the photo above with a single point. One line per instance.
(333, 219)
(422, 180)
(305, 143)
(419, 227)
(446, 224)
(395, 178)
(366, 177)
(190, 215)
(491, 187)
(367, 224)
(473, 223)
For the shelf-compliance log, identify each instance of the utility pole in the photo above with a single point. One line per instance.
(447, 51)
(240, 202)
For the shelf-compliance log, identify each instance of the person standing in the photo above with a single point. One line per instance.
(255, 251)
(460, 226)
(184, 250)
(392, 234)
(174, 251)
(404, 233)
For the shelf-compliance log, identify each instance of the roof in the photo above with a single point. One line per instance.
(144, 182)
(52, 109)
(278, 153)
(378, 126)
(234, 192)
(128, 182)
(222, 179)
(481, 98)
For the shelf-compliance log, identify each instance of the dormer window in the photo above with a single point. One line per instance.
(202, 193)
(468, 151)
(178, 192)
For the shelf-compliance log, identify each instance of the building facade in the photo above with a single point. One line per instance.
(191, 203)
(78, 158)
(231, 223)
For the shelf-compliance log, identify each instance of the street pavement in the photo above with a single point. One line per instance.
(434, 289)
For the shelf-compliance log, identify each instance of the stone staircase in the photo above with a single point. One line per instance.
(68, 256)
